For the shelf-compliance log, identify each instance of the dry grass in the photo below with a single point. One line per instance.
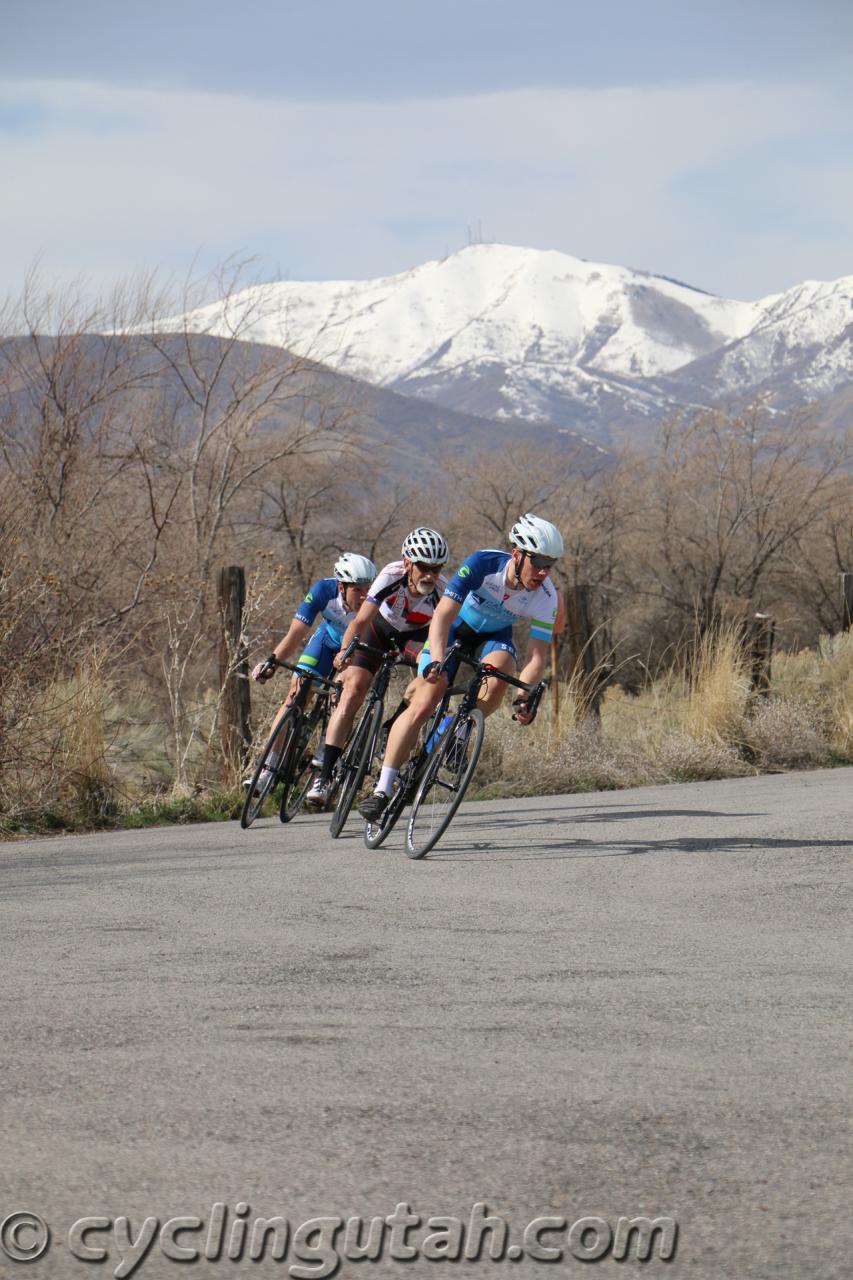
(718, 694)
(56, 761)
(685, 728)
(84, 753)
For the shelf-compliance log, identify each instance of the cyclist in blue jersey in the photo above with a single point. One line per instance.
(337, 600)
(489, 592)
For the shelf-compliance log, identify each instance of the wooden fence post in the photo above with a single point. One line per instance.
(846, 601)
(762, 629)
(580, 651)
(235, 708)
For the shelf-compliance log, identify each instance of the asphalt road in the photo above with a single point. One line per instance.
(597, 1006)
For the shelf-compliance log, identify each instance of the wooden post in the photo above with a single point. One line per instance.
(579, 649)
(235, 710)
(762, 629)
(846, 601)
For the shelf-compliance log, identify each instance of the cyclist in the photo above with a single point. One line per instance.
(397, 610)
(338, 600)
(488, 593)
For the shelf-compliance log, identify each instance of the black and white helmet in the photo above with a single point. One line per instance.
(425, 545)
(355, 569)
(533, 534)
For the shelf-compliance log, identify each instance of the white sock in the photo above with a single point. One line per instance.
(386, 779)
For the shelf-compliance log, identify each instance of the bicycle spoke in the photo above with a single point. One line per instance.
(355, 763)
(257, 793)
(444, 783)
(301, 770)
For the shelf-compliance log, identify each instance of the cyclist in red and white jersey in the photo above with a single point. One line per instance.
(397, 611)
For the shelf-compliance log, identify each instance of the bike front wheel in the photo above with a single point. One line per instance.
(300, 771)
(258, 791)
(444, 782)
(355, 762)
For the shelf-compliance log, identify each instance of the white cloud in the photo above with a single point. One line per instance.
(118, 179)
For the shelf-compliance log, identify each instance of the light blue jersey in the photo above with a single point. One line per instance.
(325, 598)
(488, 604)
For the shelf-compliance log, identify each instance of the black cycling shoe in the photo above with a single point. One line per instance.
(373, 807)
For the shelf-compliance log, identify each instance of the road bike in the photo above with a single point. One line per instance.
(296, 736)
(367, 741)
(435, 779)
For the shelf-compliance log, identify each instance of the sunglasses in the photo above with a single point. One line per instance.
(424, 567)
(541, 562)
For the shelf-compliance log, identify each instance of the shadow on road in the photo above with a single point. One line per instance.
(513, 819)
(488, 851)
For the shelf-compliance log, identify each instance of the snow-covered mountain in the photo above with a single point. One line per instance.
(509, 332)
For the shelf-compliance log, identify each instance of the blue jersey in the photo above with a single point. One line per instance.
(325, 598)
(488, 604)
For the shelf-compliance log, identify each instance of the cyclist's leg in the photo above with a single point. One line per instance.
(498, 651)
(318, 660)
(355, 681)
(422, 699)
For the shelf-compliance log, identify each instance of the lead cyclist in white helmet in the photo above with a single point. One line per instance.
(337, 599)
(489, 592)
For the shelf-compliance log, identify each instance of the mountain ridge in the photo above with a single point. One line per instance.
(512, 333)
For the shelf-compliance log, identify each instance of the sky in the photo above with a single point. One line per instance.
(347, 139)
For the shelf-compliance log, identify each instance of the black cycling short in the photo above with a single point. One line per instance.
(381, 635)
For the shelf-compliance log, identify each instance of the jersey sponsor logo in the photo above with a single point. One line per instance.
(464, 571)
(309, 598)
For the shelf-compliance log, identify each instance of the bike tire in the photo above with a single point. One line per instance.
(300, 769)
(376, 833)
(437, 800)
(253, 803)
(356, 761)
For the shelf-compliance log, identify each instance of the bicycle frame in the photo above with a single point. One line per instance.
(357, 757)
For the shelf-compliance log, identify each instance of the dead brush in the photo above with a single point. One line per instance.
(718, 696)
(56, 771)
(76, 709)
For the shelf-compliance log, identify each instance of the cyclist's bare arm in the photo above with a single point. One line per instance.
(297, 633)
(358, 626)
(535, 659)
(442, 619)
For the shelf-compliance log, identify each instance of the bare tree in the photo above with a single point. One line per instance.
(725, 499)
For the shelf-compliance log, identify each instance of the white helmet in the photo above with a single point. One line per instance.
(355, 569)
(533, 534)
(425, 545)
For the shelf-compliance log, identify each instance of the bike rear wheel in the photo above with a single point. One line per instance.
(355, 763)
(253, 802)
(444, 782)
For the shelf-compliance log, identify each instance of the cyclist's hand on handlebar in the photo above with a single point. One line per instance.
(342, 658)
(433, 673)
(264, 670)
(526, 706)
(520, 712)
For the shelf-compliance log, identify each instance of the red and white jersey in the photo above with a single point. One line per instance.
(402, 609)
